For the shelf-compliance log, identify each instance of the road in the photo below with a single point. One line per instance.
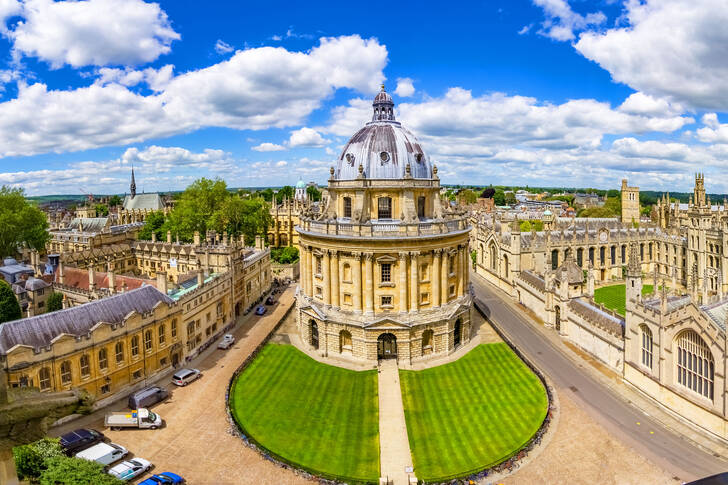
(649, 438)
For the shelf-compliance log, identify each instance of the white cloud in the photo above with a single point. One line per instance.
(561, 21)
(222, 47)
(713, 131)
(254, 89)
(91, 32)
(306, 137)
(281, 164)
(268, 147)
(405, 88)
(674, 49)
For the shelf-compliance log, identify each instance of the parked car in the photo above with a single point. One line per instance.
(141, 418)
(103, 453)
(260, 310)
(269, 300)
(147, 397)
(126, 470)
(166, 478)
(227, 341)
(80, 439)
(184, 376)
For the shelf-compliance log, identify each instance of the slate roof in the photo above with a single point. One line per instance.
(78, 278)
(39, 331)
(717, 312)
(90, 224)
(143, 202)
(596, 316)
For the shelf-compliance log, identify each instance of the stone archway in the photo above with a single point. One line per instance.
(387, 346)
(314, 334)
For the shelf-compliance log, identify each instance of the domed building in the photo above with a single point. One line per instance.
(384, 262)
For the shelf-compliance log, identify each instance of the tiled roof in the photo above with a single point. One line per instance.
(533, 280)
(89, 224)
(78, 278)
(596, 316)
(143, 202)
(39, 331)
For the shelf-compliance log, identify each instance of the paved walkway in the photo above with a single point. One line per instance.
(394, 450)
(195, 440)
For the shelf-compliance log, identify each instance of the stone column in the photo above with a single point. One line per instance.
(369, 282)
(356, 268)
(309, 271)
(326, 270)
(335, 291)
(435, 279)
(415, 281)
(444, 272)
(461, 270)
(402, 282)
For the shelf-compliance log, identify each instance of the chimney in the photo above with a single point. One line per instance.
(200, 277)
(259, 242)
(61, 275)
(177, 237)
(112, 279)
(91, 279)
(224, 238)
(162, 281)
(197, 238)
(169, 237)
(242, 240)
(154, 236)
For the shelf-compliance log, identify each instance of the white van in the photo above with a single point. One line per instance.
(103, 453)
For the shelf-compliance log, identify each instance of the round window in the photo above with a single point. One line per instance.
(384, 156)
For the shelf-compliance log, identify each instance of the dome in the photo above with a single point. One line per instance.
(547, 212)
(383, 148)
(301, 184)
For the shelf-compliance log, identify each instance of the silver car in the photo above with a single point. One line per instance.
(184, 376)
(126, 470)
(227, 341)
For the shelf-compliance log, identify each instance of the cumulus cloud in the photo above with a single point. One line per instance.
(268, 147)
(675, 49)
(561, 21)
(90, 32)
(713, 131)
(405, 88)
(222, 47)
(254, 89)
(306, 137)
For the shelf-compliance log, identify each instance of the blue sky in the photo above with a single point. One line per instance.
(542, 92)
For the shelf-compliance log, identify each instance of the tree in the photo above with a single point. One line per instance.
(285, 192)
(236, 216)
(153, 224)
(9, 306)
(22, 224)
(467, 196)
(510, 198)
(102, 210)
(525, 226)
(196, 206)
(499, 198)
(285, 255)
(55, 302)
(75, 471)
(114, 201)
(313, 193)
(30, 459)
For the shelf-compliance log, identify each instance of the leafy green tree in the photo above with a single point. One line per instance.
(510, 198)
(474, 257)
(285, 255)
(55, 302)
(9, 306)
(22, 224)
(196, 206)
(267, 194)
(236, 216)
(75, 471)
(30, 459)
(115, 200)
(499, 198)
(153, 223)
(102, 210)
(467, 196)
(525, 226)
(313, 193)
(285, 192)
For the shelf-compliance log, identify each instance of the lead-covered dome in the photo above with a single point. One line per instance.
(383, 148)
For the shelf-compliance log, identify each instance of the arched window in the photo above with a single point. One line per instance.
(580, 257)
(646, 346)
(162, 335)
(591, 256)
(135, 345)
(148, 340)
(65, 372)
(554, 259)
(601, 255)
(505, 266)
(384, 208)
(347, 206)
(695, 368)
(103, 359)
(174, 329)
(119, 352)
(85, 365)
(427, 338)
(421, 206)
(44, 378)
(345, 341)
(492, 257)
(314, 334)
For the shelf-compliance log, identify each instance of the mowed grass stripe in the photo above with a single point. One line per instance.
(320, 417)
(471, 413)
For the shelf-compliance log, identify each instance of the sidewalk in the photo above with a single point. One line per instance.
(394, 450)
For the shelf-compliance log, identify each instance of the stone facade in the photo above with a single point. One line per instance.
(384, 265)
(630, 203)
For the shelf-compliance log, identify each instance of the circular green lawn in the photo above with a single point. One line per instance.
(320, 418)
(471, 414)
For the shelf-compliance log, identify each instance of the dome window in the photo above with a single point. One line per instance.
(350, 158)
(384, 157)
(418, 157)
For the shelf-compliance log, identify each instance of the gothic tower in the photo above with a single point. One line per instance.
(634, 276)
(630, 203)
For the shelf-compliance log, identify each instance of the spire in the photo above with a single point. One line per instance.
(383, 106)
(132, 187)
(634, 268)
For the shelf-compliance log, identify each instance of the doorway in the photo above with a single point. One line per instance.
(387, 346)
(314, 335)
(457, 333)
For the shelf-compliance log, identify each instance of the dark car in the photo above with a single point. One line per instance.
(80, 439)
(147, 397)
(269, 300)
